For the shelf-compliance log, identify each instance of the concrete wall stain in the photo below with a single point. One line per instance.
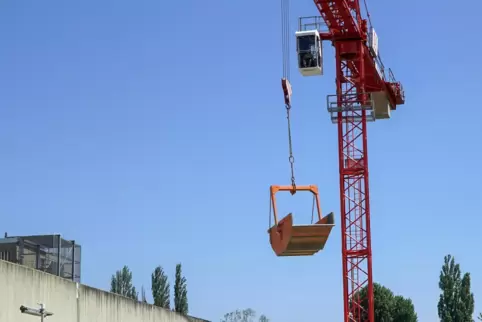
(20, 285)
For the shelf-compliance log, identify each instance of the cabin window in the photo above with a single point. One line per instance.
(309, 54)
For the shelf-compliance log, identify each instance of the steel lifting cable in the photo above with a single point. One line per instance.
(285, 40)
(285, 37)
(285, 44)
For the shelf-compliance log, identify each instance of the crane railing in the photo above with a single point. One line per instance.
(352, 103)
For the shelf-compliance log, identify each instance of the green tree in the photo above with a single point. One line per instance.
(180, 292)
(480, 317)
(160, 288)
(456, 303)
(121, 283)
(388, 307)
(403, 310)
(246, 315)
(263, 318)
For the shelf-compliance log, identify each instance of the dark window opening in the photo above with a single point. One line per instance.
(308, 52)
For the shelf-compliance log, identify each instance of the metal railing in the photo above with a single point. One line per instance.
(312, 23)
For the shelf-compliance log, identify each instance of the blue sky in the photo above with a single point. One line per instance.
(150, 132)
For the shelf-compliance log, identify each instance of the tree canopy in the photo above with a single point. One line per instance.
(121, 283)
(180, 292)
(246, 315)
(388, 307)
(456, 302)
(160, 288)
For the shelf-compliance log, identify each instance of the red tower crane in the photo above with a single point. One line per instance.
(365, 92)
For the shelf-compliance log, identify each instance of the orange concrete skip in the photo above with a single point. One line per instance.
(304, 240)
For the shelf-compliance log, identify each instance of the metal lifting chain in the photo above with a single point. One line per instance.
(285, 25)
(291, 157)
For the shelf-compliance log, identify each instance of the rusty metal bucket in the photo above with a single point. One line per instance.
(299, 240)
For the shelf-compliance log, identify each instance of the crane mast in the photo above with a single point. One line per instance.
(365, 92)
(354, 187)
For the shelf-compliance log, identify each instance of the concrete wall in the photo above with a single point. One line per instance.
(70, 302)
